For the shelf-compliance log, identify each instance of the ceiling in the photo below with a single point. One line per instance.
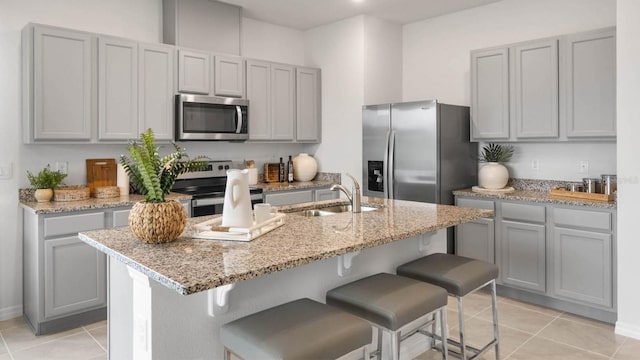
(306, 14)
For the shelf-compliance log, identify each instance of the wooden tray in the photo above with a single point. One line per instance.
(101, 172)
(581, 195)
(237, 234)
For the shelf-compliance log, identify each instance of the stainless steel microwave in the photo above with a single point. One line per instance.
(201, 117)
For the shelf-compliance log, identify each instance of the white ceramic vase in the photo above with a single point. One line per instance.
(493, 175)
(305, 167)
(236, 211)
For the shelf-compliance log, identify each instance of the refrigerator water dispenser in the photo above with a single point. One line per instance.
(375, 175)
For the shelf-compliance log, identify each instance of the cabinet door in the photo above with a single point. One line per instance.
(156, 72)
(536, 89)
(75, 277)
(308, 119)
(282, 102)
(63, 81)
(193, 72)
(259, 96)
(490, 94)
(289, 197)
(117, 89)
(590, 80)
(326, 194)
(582, 266)
(229, 76)
(475, 240)
(522, 255)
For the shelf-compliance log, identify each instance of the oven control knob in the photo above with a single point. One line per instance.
(220, 167)
(226, 167)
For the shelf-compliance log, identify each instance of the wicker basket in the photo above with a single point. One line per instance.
(71, 193)
(105, 192)
(156, 223)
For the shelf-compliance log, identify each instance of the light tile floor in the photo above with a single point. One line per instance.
(527, 332)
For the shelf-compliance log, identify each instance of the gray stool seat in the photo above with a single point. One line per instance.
(388, 300)
(301, 329)
(459, 275)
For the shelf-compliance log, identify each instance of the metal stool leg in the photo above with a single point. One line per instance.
(227, 354)
(494, 305)
(463, 348)
(443, 333)
(395, 345)
(379, 357)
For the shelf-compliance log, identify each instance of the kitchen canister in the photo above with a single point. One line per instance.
(592, 185)
(609, 184)
(305, 167)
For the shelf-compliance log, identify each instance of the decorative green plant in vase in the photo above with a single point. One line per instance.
(156, 220)
(493, 175)
(45, 182)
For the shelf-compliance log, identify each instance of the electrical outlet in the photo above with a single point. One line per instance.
(62, 166)
(6, 171)
(584, 166)
(535, 164)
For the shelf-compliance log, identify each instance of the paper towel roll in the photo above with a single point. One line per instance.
(122, 180)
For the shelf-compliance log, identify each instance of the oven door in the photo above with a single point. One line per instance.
(211, 118)
(214, 205)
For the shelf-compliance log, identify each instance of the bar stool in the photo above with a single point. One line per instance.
(390, 302)
(460, 276)
(301, 329)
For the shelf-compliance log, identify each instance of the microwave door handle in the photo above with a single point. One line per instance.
(239, 118)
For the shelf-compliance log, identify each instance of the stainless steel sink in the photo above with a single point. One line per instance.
(332, 210)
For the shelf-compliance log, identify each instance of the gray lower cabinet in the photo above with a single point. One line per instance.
(555, 255)
(280, 198)
(522, 255)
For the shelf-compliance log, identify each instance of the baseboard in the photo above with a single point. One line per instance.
(629, 330)
(10, 312)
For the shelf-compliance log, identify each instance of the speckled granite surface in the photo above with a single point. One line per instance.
(296, 185)
(190, 265)
(537, 196)
(92, 203)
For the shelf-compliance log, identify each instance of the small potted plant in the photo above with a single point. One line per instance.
(45, 182)
(156, 220)
(493, 175)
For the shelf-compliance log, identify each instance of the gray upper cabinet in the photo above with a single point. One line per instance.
(590, 83)
(229, 76)
(536, 89)
(59, 81)
(283, 92)
(490, 94)
(194, 72)
(555, 89)
(117, 89)
(156, 81)
(308, 107)
(258, 93)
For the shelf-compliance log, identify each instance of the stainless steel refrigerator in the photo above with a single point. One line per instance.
(418, 151)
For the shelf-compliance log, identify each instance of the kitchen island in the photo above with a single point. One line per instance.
(169, 301)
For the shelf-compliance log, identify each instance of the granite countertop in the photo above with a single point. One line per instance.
(296, 185)
(190, 265)
(537, 196)
(90, 204)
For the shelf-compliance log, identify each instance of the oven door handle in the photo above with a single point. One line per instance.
(239, 119)
(207, 202)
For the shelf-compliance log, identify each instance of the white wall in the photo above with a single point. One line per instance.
(338, 49)
(628, 49)
(436, 65)
(382, 61)
(261, 40)
(139, 20)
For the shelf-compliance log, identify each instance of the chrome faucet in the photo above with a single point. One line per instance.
(353, 196)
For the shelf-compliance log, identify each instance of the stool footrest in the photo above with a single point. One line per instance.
(477, 352)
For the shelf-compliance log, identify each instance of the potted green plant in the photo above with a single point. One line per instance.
(44, 183)
(156, 220)
(494, 175)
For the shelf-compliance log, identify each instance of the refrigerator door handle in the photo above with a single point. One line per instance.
(390, 172)
(385, 167)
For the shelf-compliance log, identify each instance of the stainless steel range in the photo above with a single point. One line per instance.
(207, 188)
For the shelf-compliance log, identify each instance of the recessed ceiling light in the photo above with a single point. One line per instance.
(358, 1)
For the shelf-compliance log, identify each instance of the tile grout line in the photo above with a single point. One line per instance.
(94, 339)
(534, 335)
(575, 347)
(48, 341)
(6, 346)
(618, 349)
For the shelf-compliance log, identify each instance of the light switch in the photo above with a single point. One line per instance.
(6, 171)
